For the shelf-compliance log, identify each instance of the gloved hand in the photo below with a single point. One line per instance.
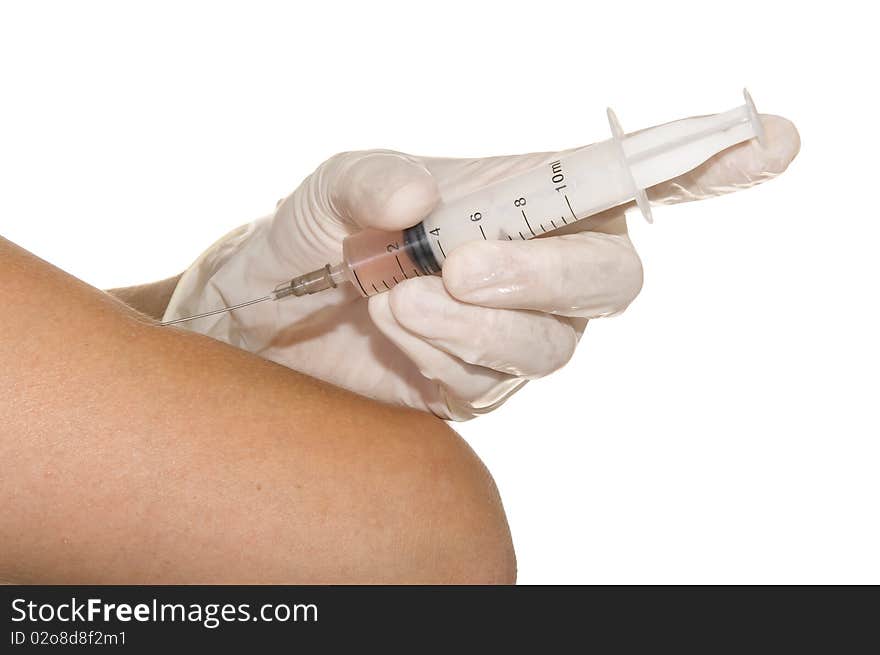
(503, 312)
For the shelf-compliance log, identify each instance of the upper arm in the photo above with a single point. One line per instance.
(132, 452)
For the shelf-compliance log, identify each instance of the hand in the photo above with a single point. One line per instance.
(503, 312)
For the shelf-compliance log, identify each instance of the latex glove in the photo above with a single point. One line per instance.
(503, 312)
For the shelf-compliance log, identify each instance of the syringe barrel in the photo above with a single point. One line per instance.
(522, 207)
(574, 186)
(546, 198)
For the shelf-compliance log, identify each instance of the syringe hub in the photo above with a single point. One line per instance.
(308, 283)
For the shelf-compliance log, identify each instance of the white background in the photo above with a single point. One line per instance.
(723, 430)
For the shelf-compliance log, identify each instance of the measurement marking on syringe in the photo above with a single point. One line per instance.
(396, 281)
(521, 236)
(441, 248)
(509, 238)
(386, 284)
(553, 223)
(563, 220)
(543, 229)
(483, 233)
(417, 273)
(401, 267)
(375, 289)
(569, 208)
(527, 222)
(359, 282)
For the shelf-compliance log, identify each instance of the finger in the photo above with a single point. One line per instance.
(516, 342)
(379, 189)
(468, 389)
(586, 274)
(739, 167)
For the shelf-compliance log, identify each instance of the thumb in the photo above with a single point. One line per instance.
(380, 189)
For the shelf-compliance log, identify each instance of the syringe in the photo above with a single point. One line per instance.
(580, 184)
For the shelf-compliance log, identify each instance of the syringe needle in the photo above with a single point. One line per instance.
(321, 279)
(218, 311)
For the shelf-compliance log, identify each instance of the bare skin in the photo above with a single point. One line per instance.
(133, 453)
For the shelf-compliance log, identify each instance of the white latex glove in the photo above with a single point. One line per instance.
(503, 312)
